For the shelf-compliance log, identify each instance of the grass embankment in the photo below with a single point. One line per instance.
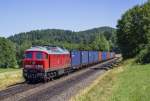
(129, 82)
(9, 77)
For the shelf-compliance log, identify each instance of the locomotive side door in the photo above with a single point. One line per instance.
(46, 60)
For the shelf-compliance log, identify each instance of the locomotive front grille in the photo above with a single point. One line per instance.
(33, 73)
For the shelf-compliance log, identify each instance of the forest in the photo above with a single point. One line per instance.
(133, 33)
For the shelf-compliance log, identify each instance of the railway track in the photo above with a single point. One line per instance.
(56, 90)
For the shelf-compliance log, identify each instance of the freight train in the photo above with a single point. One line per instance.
(46, 62)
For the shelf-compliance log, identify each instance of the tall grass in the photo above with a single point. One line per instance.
(9, 77)
(129, 82)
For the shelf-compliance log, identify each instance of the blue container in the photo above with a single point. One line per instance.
(75, 59)
(91, 57)
(84, 57)
(104, 56)
(95, 53)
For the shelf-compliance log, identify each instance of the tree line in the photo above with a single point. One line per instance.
(12, 48)
(133, 33)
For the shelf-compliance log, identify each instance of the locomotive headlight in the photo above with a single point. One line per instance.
(28, 66)
(39, 66)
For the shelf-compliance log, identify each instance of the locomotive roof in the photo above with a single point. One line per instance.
(49, 49)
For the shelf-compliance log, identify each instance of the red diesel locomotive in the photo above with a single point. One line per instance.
(45, 62)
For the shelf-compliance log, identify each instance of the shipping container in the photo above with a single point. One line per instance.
(84, 57)
(75, 59)
(111, 55)
(104, 56)
(91, 57)
(108, 55)
(100, 56)
(95, 53)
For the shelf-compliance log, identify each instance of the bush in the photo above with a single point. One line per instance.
(7, 53)
(144, 55)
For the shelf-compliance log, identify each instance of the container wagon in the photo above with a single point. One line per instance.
(91, 57)
(111, 55)
(84, 57)
(75, 59)
(100, 56)
(108, 55)
(104, 56)
(96, 60)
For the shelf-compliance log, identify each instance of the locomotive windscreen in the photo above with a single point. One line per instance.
(29, 55)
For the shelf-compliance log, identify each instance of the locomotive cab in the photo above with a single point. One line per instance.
(45, 62)
(36, 59)
(35, 62)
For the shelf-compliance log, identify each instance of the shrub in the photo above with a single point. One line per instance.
(7, 53)
(144, 55)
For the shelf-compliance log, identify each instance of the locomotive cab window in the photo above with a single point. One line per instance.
(28, 55)
(39, 55)
(46, 56)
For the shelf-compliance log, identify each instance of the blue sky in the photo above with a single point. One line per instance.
(25, 15)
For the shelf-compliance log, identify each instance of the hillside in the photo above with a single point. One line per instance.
(56, 35)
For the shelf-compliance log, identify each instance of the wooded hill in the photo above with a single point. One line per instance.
(54, 36)
(66, 38)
